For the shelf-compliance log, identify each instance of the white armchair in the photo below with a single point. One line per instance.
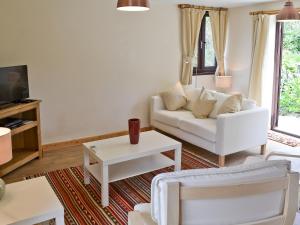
(263, 193)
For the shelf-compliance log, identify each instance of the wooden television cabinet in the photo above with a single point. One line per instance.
(26, 139)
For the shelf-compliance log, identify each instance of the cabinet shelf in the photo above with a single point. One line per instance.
(20, 157)
(24, 127)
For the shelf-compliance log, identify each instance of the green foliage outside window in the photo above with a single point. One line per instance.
(290, 72)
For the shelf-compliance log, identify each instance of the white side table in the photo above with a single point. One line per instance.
(29, 202)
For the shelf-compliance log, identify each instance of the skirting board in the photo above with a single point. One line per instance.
(75, 142)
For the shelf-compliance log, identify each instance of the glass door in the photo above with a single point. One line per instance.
(286, 93)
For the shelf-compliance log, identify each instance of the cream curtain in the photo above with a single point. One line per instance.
(261, 25)
(190, 21)
(219, 22)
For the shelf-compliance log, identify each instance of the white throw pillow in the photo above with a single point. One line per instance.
(221, 98)
(174, 98)
(203, 105)
(248, 104)
(192, 94)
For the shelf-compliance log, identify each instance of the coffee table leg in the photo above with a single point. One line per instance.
(86, 163)
(60, 220)
(177, 158)
(104, 186)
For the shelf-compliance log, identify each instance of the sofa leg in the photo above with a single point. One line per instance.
(221, 160)
(263, 149)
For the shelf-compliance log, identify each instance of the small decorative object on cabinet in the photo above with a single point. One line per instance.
(134, 130)
(5, 153)
(26, 136)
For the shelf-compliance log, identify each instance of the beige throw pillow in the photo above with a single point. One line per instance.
(192, 94)
(232, 104)
(221, 98)
(204, 105)
(175, 98)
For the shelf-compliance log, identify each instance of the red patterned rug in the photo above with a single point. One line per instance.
(82, 203)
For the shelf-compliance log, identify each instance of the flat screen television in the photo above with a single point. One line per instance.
(13, 84)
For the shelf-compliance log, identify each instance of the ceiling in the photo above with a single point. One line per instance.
(218, 3)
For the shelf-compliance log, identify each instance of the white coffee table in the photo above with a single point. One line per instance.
(29, 202)
(117, 159)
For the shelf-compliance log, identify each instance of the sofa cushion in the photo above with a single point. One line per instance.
(174, 98)
(172, 118)
(204, 212)
(203, 106)
(192, 94)
(221, 98)
(204, 128)
(248, 104)
(232, 104)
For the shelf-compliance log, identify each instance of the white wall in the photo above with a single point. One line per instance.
(95, 67)
(240, 43)
(92, 66)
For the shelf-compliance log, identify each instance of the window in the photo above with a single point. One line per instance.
(205, 60)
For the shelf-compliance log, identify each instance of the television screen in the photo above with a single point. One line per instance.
(13, 84)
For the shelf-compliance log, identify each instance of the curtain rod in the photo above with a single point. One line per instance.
(183, 6)
(269, 12)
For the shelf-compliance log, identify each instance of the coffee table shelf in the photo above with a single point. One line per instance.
(132, 168)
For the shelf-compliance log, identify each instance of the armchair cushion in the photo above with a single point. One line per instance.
(222, 211)
(143, 207)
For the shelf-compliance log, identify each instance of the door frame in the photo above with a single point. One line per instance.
(277, 81)
(277, 76)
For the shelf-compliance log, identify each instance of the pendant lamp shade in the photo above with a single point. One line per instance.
(133, 5)
(288, 13)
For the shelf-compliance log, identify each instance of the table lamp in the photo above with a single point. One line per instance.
(223, 83)
(5, 152)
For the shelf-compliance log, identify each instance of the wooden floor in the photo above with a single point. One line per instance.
(52, 160)
(73, 156)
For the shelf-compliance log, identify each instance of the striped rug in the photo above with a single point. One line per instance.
(82, 203)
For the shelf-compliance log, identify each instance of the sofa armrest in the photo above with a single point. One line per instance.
(156, 104)
(241, 130)
(139, 218)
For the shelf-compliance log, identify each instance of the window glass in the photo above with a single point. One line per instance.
(209, 48)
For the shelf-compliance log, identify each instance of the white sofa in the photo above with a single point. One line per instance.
(263, 193)
(229, 133)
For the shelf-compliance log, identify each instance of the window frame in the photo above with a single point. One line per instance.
(202, 69)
